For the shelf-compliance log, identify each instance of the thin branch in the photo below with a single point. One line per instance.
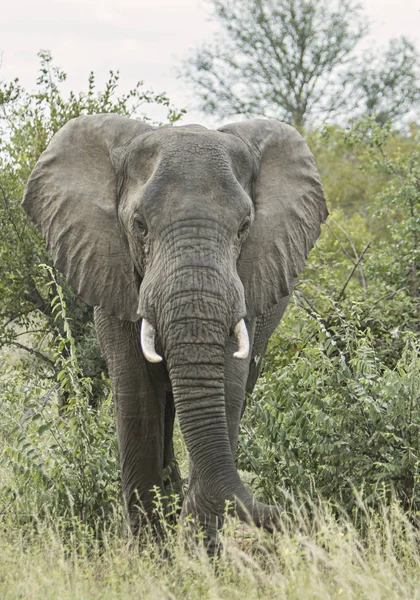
(35, 298)
(11, 319)
(356, 255)
(327, 225)
(362, 274)
(365, 249)
(389, 164)
(46, 399)
(388, 296)
(313, 309)
(5, 325)
(34, 352)
(26, 332)
(7, 207)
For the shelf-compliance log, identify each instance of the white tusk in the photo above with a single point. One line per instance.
(147, 340)
(242, 339)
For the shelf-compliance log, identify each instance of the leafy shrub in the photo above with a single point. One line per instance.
(28, 120)
(334, 421)
(63, 458)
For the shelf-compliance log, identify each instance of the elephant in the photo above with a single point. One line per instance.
(188, 243)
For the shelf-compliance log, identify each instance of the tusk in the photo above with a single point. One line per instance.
(242, 339)
(147, 340)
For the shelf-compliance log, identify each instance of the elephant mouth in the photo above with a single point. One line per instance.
(148, 337)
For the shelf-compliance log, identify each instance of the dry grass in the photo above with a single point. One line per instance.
(308, 558)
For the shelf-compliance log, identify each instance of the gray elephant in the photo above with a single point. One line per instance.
(188, 243)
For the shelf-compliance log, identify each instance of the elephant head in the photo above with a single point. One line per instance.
(190, 230)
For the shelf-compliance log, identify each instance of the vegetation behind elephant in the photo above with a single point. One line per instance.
(196, 237)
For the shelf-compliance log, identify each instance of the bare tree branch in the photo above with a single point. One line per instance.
(283, 58)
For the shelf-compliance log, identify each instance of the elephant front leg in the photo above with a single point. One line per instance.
(140, 404)
(140, 442)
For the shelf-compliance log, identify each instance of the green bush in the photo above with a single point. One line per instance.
(334, 421)
(63, 458)
(28, 120)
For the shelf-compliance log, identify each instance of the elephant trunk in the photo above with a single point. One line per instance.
(195, 309)
(195, 357)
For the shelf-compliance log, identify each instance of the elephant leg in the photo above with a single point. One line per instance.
(264, 327)
(140, 406)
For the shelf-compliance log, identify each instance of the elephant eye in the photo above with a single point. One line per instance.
(244, 227)
(140, 227)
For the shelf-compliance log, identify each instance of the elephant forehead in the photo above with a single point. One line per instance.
(177, 171)
(193, 191)
(191, 157)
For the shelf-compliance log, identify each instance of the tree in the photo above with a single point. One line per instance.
(28, 120)
(278, 58)
(387, 83)
(296, 60)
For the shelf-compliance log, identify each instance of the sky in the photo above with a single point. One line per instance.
(143, 39)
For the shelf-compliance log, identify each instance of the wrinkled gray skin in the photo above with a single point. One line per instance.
(192, 230)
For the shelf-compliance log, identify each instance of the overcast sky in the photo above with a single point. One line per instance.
(143, 39)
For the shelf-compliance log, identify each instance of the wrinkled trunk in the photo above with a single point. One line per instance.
(197, 377)
(195, 351)
(196, 371)
(195, 302)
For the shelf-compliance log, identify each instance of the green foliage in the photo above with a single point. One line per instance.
(397, 205)
(63, 459)
(334, 421)
(347, 188)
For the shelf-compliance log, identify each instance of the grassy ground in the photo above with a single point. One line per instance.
(311, 558)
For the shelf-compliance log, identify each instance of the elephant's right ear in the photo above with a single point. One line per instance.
(72, 198)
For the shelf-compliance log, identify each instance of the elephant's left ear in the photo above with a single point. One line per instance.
(289, 207)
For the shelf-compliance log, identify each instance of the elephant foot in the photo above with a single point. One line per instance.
(200, 522)
(151, 517)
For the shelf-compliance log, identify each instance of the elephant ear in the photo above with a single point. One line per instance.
(72, 198)
(289, 205)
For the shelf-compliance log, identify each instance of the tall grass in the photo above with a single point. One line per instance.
(318, 557)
